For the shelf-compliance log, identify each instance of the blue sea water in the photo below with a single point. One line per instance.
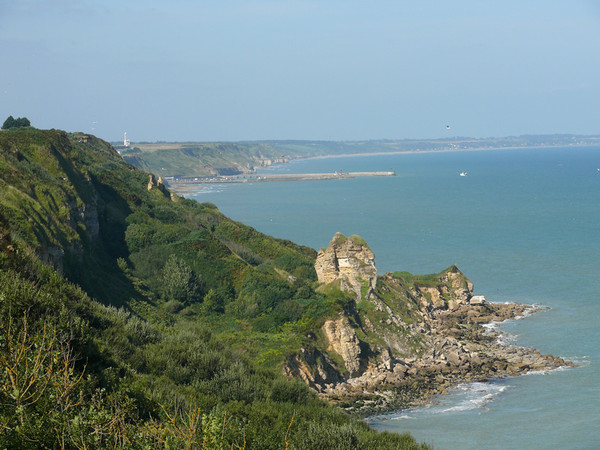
(523, 226)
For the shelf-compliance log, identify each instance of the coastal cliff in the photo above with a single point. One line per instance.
(179, 309)
(349, 262)
(405, 338)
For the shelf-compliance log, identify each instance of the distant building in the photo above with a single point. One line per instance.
(125, 140)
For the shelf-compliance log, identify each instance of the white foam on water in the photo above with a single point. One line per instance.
(203, 189)
(579, 361)
(491, 326)
(464, 397)
(503, 337)
(535, 308)
(474, 396)
(507, 339)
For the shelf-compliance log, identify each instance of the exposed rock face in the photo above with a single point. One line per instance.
(456, 349)
(314, 368)
(349, 261)
(158, 183)
(415, 337)
(52, 255)
(89, 216)
(453, 290)
(343, 340)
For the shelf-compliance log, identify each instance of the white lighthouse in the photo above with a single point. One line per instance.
(125, 140)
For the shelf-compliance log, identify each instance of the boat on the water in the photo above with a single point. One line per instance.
(464, 174)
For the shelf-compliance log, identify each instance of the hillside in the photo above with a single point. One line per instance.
(132, 317)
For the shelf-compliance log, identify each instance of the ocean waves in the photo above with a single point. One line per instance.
(464, 397)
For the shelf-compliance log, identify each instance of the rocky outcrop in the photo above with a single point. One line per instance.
(89, 215)
(449, 291)
(455, 348)
(413, 337)
(315, 368)
(350, 262)
(343, 340)
(154, 182)
(53, 256)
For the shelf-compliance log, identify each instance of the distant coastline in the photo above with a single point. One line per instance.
(449, 150)
(187, 185)
(225, 159)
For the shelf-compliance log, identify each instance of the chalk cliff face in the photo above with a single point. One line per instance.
(349, 261)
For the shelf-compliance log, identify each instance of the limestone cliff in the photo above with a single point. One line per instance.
(406, 337)
(343, 340)
(350, 262)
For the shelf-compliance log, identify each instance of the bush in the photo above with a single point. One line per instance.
(180, 283)
(265, 289)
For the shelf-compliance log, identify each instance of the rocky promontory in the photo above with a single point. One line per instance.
(404, 338)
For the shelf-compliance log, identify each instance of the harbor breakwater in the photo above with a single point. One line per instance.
(175, 181)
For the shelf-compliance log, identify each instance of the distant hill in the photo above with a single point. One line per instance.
(228, 158)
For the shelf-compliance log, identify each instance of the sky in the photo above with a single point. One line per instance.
(231, 70)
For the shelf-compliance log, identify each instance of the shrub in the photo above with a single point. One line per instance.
(180, 283)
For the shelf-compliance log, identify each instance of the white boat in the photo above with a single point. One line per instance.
(463, 174)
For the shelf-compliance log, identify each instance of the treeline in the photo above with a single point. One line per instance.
(11, 122)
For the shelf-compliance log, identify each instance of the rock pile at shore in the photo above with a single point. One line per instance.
(407, 337)
(461, 350)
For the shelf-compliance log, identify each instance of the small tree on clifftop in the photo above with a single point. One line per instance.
(11, 122)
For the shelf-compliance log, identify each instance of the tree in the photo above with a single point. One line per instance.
(22, 122)
(180, 283)
(8, 123)
(11, 122)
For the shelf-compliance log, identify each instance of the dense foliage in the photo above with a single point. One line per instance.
(133, 318)
(11, 122)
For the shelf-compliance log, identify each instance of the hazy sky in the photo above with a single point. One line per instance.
(283, 69)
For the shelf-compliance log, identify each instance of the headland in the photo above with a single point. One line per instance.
(406, 338)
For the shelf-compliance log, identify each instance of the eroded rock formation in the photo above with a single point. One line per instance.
(409, 338)
(343, 340)
(350, 262)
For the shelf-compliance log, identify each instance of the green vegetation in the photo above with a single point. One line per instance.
(429, 280)
(11, 122)
(203, 159)
(131, 318)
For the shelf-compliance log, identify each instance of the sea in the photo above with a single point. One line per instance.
(523, 225)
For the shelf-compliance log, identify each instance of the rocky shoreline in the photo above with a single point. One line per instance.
(404, 338)
(462, 350)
